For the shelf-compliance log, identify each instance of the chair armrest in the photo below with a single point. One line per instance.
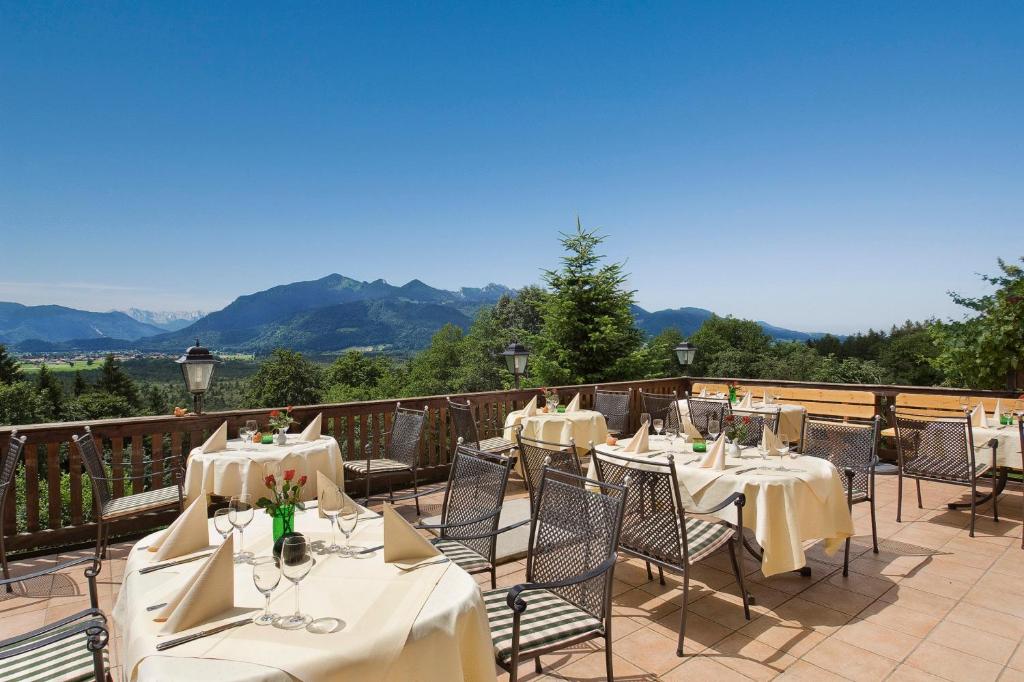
(487, 535)
(739, 499)
(442, 526)
(91, 572)
(95, 626)
(518, 605)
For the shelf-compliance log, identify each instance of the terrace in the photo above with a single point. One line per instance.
(933, 603)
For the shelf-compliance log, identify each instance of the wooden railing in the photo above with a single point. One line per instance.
(40, 515)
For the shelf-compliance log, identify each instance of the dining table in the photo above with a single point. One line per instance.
(791, 417)
(789, 500)
(384, 622)
(582, 426)
(241, 467)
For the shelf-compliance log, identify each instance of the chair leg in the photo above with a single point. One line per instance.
(846, 559)
(416, 492)
(650, 575)
(3, 560)
(661, 576)
(874, 526)
(737, 569)
(682, 616)
(609, 673)
(494, 578)
(995, 498)
(899, 496)
(99, 539)
(920, 505)
(974, 508)
(536, 665)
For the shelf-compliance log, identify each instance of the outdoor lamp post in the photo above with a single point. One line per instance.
(197, 367)
(685, 352)
(516, 356)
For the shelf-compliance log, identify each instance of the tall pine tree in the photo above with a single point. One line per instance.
(52, 391)
(9, 370)
(115, 381)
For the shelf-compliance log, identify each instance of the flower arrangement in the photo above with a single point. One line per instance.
(289, 494)
(280, 419)
(737, 428)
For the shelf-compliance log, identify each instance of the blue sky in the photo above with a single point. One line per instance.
(822, 166)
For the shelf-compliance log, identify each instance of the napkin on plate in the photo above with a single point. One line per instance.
(312, 431)
(531, 408)
(639, 442)
(209, 594)
(326, 488)
(998, 411)
(574, 404)
(218, 441)
(189, 533)
(690, 430)
(402, 543)
(748, 400)
(715, 457)
(771, 442)
(978, 417)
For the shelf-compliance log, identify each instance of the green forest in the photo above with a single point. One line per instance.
(578, 326)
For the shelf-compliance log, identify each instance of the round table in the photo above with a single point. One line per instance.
(791, 417)
(582, 426)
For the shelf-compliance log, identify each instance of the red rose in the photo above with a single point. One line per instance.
(746, 419)
(289, 475)
(270, 481)
(730, 418)
(275, 413)
(302, 481)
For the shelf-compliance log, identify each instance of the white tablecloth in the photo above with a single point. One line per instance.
(240, 468)
(583, 426)
(1008, 452)
(449, 638)
(791, 417)
(783, 509)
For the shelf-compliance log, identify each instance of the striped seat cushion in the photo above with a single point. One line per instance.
(376, 465)
(141, 502)
(463, 556)
(496, 444)
(943, 468)
(548, 619)
(704, 537)
(62, 661)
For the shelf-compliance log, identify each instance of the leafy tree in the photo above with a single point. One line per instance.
(908, 355)
(356, 376)
(285, 378)
(435, 370)
(115, 381)
(661, 359)
(52, 391)
(728, 347)
(9, 370)
(21, 403)
(156, 401)
(79, 387)
(790, 360)
(851, 371)
(98, 405)
(523, 314)
(589, 333)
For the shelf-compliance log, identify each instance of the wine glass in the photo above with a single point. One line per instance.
(658, 424)
(252, 426)
(347, 520)
(266, 574)
(783, 451)
(552, 402)
(714, 428)
(331, 504)
(645, 420)
(222, 523)
(241, 511)
(296, 563)
(244, 434)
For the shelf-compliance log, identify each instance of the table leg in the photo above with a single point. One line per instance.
(805, 571)
(983, 498)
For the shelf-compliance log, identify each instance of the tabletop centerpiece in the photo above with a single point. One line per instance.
(285, 499)
(279, 421)
(733, 387)
(736, 431)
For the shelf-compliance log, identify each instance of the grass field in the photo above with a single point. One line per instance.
(77, 366)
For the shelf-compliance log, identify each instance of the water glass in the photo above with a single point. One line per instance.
(266, 574)
(331, 503)
(241, 512)
(347, 520)
(244, 434)
(296, 563)
(783, 451)
(252, 426)
(659, 424)
(645, 420)
(222, 523)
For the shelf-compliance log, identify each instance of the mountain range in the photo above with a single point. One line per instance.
(328, 314)
(168, 320)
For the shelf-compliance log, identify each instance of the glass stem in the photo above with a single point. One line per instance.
(298, 611)
(266, 608)
(241, 540)
(334, 537)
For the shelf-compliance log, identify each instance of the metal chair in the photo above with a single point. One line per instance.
(852, 446)
(110, 508)
(663, 407)
(614, 406)
(465, 427)
(8, 466)
(704, 410)
(401, 454)
(72, 648)
(940, 449)
(566, 598)
(471, 509)
(660, 530)
(537, 454)
(755, 421)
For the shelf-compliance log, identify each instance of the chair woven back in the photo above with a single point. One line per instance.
(755, 423)
(406, 431)
(10, 462)
(849, 444)
(575, 529)
(940, 448)
(93, 462)
(464, 422)
(476, 487)
(536, 454)
(654, 515)
(662, 406)
(704, 410)
(614, 406)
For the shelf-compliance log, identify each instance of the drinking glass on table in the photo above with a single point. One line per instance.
(296, 563)
(241, 512)
(244, 434)
(222, 523)
(347, 520)
(714, 428)
(552, 402)
(266, 574)
(252, 426)
(331, 504)
(783, 451)
(659, 425)
(645, 420)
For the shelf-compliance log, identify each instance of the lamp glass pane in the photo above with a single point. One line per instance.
(520, 363)
(198, 375)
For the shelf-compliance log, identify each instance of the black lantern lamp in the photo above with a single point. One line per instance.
(516, 356)
(197, 367)
(685, 352)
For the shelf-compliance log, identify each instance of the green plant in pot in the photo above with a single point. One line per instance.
(283, 500)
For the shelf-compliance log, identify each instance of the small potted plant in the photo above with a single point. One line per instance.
(283, 501)
(279, 421)
(736, 431)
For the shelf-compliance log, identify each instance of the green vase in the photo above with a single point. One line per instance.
(732, 394)
(284, 521)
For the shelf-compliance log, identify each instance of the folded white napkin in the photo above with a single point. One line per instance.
(327, 490)
(402, 543)
(690, 430)
(769, 399)
(978, 417)
(312, 431)
(748, 400)
(639, 442)
(531, 407)
(704, 392)
(715, 457)
(574, 404)
(998, 411)
(208, 595)
(189, 533)
(218, 441)
(771, 442)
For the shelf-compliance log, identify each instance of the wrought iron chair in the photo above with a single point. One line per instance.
(73, 648)
(704, 410)
(852, 446)
(401, 455)
(466, 428)
(756, 421)
(663, 407)
(614, 407)
(569, 566)
(537, 454)
(471, 509)
(110, 508)
(940, 449)
(659, 529)
(8, 465)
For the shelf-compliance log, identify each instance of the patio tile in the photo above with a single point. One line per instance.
(985, 645)
(907, 621)
(837, 598)
(849, 661)
(749, 657)
(802, 670)
(918, 600)
(703, 668)
(878, 639)
(654, 651)
(593, 667)
(807, 614)
(952, 665)
(985, 619)
(700, 632)
(863, 584)
(784, 636)
(993, 597)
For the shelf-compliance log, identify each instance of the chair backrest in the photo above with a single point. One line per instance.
(536, 454)
(575, 529)
(476, 487)
(614, 406)
(704, 410)
(464, 422)
(93, 462)
(852, 444)
(406, 432)
(662, 406)
(10, 463)
(654, 516)
(755, 423)
(943, 447)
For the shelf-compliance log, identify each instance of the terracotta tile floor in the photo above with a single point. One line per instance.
(933, 604)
